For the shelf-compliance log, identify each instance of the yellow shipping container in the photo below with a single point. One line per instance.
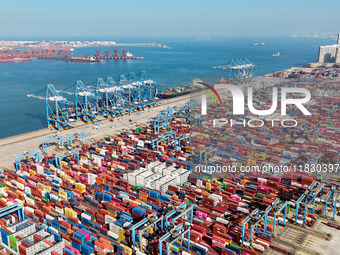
(127, 249)
(47, 187)
(69, 212)
(32, 172)
(121, 235)
(251, 162)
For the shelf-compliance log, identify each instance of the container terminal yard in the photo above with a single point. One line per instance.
(133, 185)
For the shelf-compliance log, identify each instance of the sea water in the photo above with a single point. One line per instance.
(187, 58)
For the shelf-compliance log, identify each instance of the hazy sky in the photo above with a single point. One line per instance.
(167, 17)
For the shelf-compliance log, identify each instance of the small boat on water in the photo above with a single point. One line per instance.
(257, 44)
(276, 54)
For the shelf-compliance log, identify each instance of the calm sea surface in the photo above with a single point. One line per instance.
(187, 59)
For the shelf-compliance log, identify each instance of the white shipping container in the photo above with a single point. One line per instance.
(53, 229)
(241, 209)
(54, 197)
(296, 184)
(224, 221)
(109, 219)
(114, 228)
(219, 198)
(185, 253)
(112, 235)
(59, 210)
(86, 216)
(142, 253)
(21, 186)
(261, 243)
(140, 180)
(49, 217)
(262, 180)
(29, 201)
(29, 209)
(10, 184)
(258, 247)
(40, 169)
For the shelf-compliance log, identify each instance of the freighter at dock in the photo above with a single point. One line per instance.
(176, 92)
(84, 59)
(16, 59)
(125, 55)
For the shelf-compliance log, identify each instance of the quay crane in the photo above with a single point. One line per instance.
(57, 108)
(109, 99)
(107, 96)
(85, 103)
(240, 70)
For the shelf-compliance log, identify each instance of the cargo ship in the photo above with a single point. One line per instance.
(83, 59)
(125, 55)
(15, 59)
(186, 89)
(257, 44)
(178, 91)
(66, 51)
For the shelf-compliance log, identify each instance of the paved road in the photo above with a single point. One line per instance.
(16, 145)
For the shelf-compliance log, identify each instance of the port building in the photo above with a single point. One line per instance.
(330, 53)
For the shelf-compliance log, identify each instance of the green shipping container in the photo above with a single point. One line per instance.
(260, 195)
(235, 247)
(174, 248)
(138, 187)
(13, 246)
(45, 199)
(13, 239)
(245, 196)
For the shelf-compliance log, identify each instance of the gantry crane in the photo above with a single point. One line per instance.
(85, 103)
(118, 100)
(45, 141)
(26, 155)
(240, 70)
(80, 137)
(57, 108)
(106, 96)
(111, 98)
(331, 200)
(152, 87)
